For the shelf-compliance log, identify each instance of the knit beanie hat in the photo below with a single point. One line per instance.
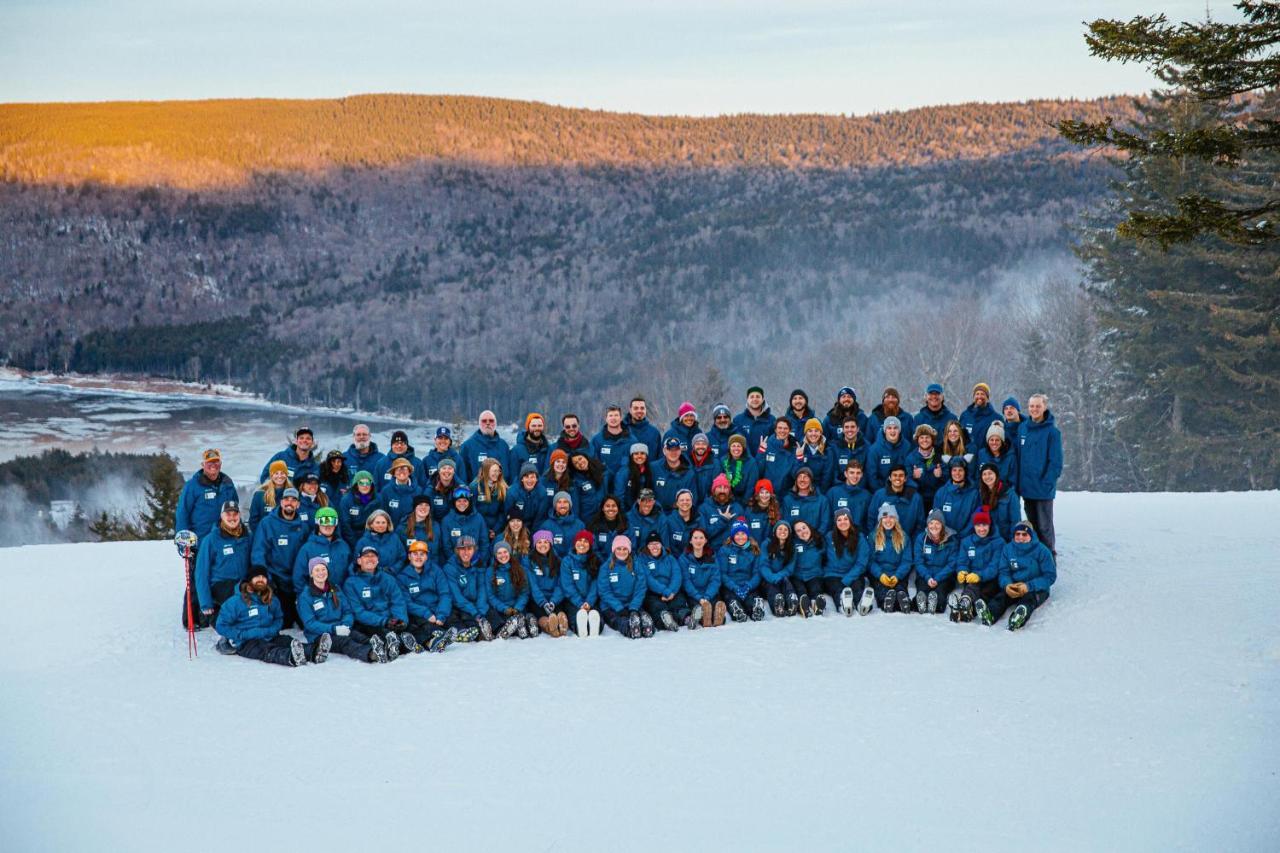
(639, 447)
(686, 408)
(719, 481)
(620, 541)
(813, 423)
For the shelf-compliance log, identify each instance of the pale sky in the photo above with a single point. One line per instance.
(695, 57)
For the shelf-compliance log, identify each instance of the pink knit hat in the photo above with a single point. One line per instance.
(620, 540)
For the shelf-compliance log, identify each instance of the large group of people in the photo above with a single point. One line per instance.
(376, 554)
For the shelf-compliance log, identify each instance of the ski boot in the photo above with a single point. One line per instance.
(779, 605)
(736, 611)
(486, 630)
(1018, 617)
(393, 645)
(804, 606)
(633, 626)
(983, 613)
(410, 643)
(646, 624)
(321, 653)
(669, 621)
(867, 602)
(846, 601)
(904, 601)
(931, 601)
(757, 609)
(379, 649)
(297, 653)
(793, 604)
(509, 627)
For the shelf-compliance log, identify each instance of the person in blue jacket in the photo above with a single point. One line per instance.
(684, 426)
(805, 503)
(335, 477)
(955, 444)
(958, 499)
(799, 412)
(442, 449)
(250, 623)
(890, 406)
(379, 533)
(1039, 466)
(546, 599)
(925, 467)
(324, 612)
(607, 523)
(310, 498)
(362, 454)
(1000, 499)
(671, 473)
(905, 500)
(851, 494)
(462, 521)
(508, 593)
(635, 476)
(845, 408)
(637, 422)
(275, 544)
(739, 563)
(934, 412)
(441, 489)
(1027, 571)
(755, 421)
(701, 582)
(378, 604)
(844, 572)
(611, 445)
(665, 601)
(762, 511)
(558, 478)
(221, 562)
(578, 572)
(936, 555)
(721, 431)
(418, 524)
(740, 468)
(468, 587)
(563, 524)
(719, 511)
(977, 568)
(400, 449)
(777, 458)
(490, 491)
(587, 476)
(644, 517)
(978, 417)
(325, 543)
(526, 499)
(677, 524)
(705, 464)
(622, 586)
(1012, 414)
(891, 561)
(267, 495)
(202, 497)
(356, 506)
(299, 457)
(530, 445)
(810, 551)
(395, 496)
(849, 444)
(775, 571)
(888, 450)
(814, 454)
(998, 450)
(484, 443)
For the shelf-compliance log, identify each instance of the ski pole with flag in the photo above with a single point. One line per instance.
(185, 541)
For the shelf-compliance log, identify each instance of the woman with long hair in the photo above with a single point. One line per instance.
(609, 522)
(443, 484)
(665, 601)
(418, 526)
(335, 477)
(844, 577)
(578, 572)
(762, 511)
(268, 494)
(806, 503)
(813, 453)
(546, 598)
(516, 534)
(890, 562)
(739, 563)
(739, 468)
(622, 587)
(775, 571)
(490, 490)
(587, 476)
(701, 582)
(509, 595)
(807, 564)
(635, 476)
(953, 445)
(1000, 499)
(379, 533)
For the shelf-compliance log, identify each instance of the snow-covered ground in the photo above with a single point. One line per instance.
(1138, 710)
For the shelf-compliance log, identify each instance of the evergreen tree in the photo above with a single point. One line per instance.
(111, 527)
(164, 486)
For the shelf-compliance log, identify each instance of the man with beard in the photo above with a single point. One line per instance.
(755, 422)
(484, 443)
(637, 421)
(363, 454)
(531, 445)
(611, 445)
(250, 627)
(299, 458)
(199, 506)
(275, 545)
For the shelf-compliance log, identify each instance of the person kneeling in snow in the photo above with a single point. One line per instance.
(250, 626)
(378, 604)
(327, 618)
(1027, 571)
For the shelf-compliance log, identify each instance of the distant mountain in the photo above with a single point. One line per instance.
(435, 255)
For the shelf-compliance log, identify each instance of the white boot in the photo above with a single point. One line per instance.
(593, 623)
(582, 623)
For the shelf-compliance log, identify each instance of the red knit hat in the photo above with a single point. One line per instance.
(763, 484)
(982, 516)
(583, 534)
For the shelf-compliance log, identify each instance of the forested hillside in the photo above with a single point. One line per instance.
(423, 267)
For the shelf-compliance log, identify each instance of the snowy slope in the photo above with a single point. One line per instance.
(1114, 721)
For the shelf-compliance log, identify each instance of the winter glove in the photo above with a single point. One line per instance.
(548, 608)
(974, 578)
(884, 579)
(395, 623)
(341, 630)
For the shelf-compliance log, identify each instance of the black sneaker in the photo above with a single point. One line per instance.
(224, 647)
(1018, 617)
(669, 621)
(736, 612)
(802, 606)
(779, 605)
(486, 630)
(757, 609)
(379, 648)
(297, 652)
(393, 645)
(633, 626)
(646, 624)
(323, 644)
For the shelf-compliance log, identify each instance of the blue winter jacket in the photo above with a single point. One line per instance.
(382, 470)
(1006, 464)
(718, 439)
(778, 465)
(397, 500)
(458, 524)
(850, 565)
(980, 555)
(833, 426)
(933, 473)
(701, 576)
(587, 497)
(821, 464)
(544, 587)
(1039, 458)
(468, 586)
(221, 557)
(754, 428)
(882, 456)
(200, 504)
(613, 451)
(1005, 514)
(441, 500)
(645, 432)
(875, 422)
(856, 499)
(668, 482)
(889, 560)
(258, 508)
(758, 523)
(662, 573)
(976, 421)
(909, 507)
(775, 567)
(426, 593)
(493, 511)
(958, 504)
(335, 551)
(814, 510)
(563, 528)
(577, 586)
(375, 597)
(841, 454)
(240, 622)
(323, 611)
(1030, 563)
(739, 568)
(522, 453)
(367, 461)
(639, 526)
(682, 433)
(391, 550)
(431, 464)
(936, 561)
(297, 467)
(717, 520)
(937, 420)
(806, 564)
(479, 447)
(530, 505)
(621, 588)
(353, 512)
(502, 592)
(675, 531)
(276, 543)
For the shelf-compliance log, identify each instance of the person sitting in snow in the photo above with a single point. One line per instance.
(1027, 570)
(249, 624)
